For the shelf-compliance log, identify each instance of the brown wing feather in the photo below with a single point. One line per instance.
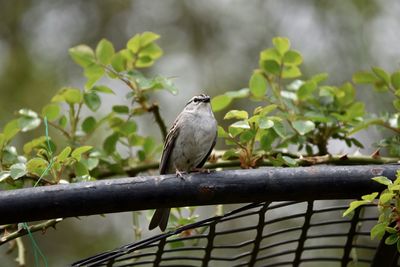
(168, 146)
(209, 152)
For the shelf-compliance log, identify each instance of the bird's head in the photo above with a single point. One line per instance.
(199, 102)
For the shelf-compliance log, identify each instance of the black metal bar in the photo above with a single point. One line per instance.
(303, 236)
(349, 242)
(233, 186)
(160, 252)
(210, 244)
(385, 255)
(260, 229)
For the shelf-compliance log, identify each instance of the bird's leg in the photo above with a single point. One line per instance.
(179, 173)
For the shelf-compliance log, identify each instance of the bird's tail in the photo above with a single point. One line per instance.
(160, 218)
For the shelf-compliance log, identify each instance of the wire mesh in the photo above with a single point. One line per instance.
(309, 233)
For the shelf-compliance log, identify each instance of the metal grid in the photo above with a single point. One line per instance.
(307, 233)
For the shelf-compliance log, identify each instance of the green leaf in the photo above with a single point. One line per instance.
(102, 89)
(152, 50)
(110, 143)
(265, 110)
(303, 127)
(169, 85)
(51, 111)
(37, 142)
(118, 62)
(220, 102)
(147, 38)
(354, 205)
(246, 136)
(230, 154)
(144, 62)
(90, 163)
(92, 100)
(318, 78)
(306, 90)
(4, 175)
(77, 153)
(241, 125)
(127, 128)
(28, 113)
(289, 161)
(68, 94)
(158, 82)
(81, 169)
(381, 74)
(93, 73)
(292, 57)
(221, 132)
(105, 51)
(383, 180)
(64, 154)
(265, 123)
(267, 139)
(395, 79)
(89, 124)
(396, 104)
(370, 197)
(134, 43)
(258, 85)
(362, 77)
(236, 114)
(149, 145)
(270, 54)
(62, 121)
(279, 129)
(82, 55)
(29, 120)
(282, 44)
(242, 93)
(36, 166)
(378, 230)
(392, 239)
(271, 66)
(355, 110)
(17, 170)
(121, 109)
(391, 230)
(11, 129)
(290, 72)
(386, 197)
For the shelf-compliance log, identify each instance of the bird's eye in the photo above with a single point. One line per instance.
(195, 100)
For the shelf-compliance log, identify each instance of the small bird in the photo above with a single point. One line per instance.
(188, 145)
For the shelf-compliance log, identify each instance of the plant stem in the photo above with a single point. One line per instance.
(160, 122)
(21, 252)
(52, 124)
(33, 228)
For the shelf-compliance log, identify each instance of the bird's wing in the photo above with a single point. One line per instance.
(209, 152)
(168, 146)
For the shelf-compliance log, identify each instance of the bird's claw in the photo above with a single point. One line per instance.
(179, 174)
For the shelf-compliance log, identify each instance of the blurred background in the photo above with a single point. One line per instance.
(209, 46)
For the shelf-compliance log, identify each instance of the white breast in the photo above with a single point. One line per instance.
(195, 139)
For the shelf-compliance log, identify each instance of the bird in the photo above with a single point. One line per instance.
(187, 146)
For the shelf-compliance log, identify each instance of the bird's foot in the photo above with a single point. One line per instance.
(179, 174)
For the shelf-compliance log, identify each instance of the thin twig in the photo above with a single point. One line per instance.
(21, 252)
(33, 228)
(52, 124)
(160, 122)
